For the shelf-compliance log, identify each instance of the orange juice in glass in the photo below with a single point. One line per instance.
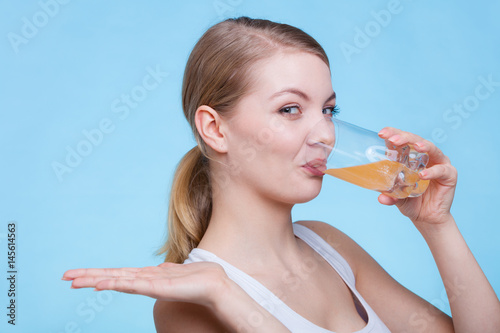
(361, 157)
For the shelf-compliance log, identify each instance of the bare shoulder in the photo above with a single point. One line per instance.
(173, 317)
(342, 243)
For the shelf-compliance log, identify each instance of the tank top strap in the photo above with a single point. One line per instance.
(318, 244)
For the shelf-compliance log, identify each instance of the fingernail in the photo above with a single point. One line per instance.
(422, 174)
(382, 132)
(419, 145)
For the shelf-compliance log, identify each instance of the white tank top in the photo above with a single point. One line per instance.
(292, 320)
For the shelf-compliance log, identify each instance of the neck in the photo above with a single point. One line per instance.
(244, 225)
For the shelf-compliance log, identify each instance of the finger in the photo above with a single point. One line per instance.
(445, 174)
(387, 132)
(387, 200)
(436, 155)
(146, 271)
(397, 137)
(87, 282)
(132, 286)
(80, 272)
(401, 138)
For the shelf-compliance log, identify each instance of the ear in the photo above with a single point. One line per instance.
(210, 126)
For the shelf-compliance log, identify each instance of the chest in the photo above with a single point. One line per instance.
(316, 292)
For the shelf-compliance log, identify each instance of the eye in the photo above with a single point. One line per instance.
(331, 110)
(290, 110)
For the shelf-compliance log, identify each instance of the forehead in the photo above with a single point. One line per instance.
(295, 69)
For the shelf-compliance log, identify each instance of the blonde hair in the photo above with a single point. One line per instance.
(217, 74)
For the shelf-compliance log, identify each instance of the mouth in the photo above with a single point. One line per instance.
(317, 167)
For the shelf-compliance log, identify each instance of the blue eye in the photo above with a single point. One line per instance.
(290, 110)
(331, 110)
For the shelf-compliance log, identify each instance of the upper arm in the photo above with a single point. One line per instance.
(399, 308)
(173, 317)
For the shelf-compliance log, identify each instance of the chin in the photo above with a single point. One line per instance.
(305, 199)
(305, 194)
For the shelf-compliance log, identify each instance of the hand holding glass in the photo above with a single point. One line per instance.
(361, 157)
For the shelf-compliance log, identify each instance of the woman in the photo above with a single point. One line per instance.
(252, 92)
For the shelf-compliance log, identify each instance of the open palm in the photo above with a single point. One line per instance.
(196, 282)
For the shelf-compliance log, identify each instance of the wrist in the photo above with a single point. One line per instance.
(222, 294)
(437, 233)
(240, 313)
(434, 228)
(230, 304)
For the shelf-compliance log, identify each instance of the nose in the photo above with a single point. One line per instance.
(322, 133)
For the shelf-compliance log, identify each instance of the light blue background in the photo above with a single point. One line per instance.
(110, 210)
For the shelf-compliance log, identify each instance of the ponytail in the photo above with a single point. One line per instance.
(190, 206)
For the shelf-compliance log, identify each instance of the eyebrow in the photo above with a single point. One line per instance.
(300, 94)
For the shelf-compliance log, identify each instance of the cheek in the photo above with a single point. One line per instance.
(270, 132)
(251, 137)
(277, 144)
(265, 142)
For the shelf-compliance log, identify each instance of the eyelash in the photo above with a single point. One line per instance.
(285, 110)
(335, 110)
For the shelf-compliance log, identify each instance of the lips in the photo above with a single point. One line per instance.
(317, 167)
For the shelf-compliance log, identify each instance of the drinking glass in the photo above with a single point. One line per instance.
(361, 157)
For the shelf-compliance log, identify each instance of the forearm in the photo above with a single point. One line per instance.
(240, 313)
(473, 302)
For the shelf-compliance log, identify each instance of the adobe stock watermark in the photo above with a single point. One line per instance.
(371, 30)
(454, 116)
(226, 8)
(121, 107)
(87, 311)
(421, 321)
(248, 150)
(32, 25)
(291, 280)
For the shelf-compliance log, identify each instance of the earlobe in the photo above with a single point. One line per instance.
(208, 123)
